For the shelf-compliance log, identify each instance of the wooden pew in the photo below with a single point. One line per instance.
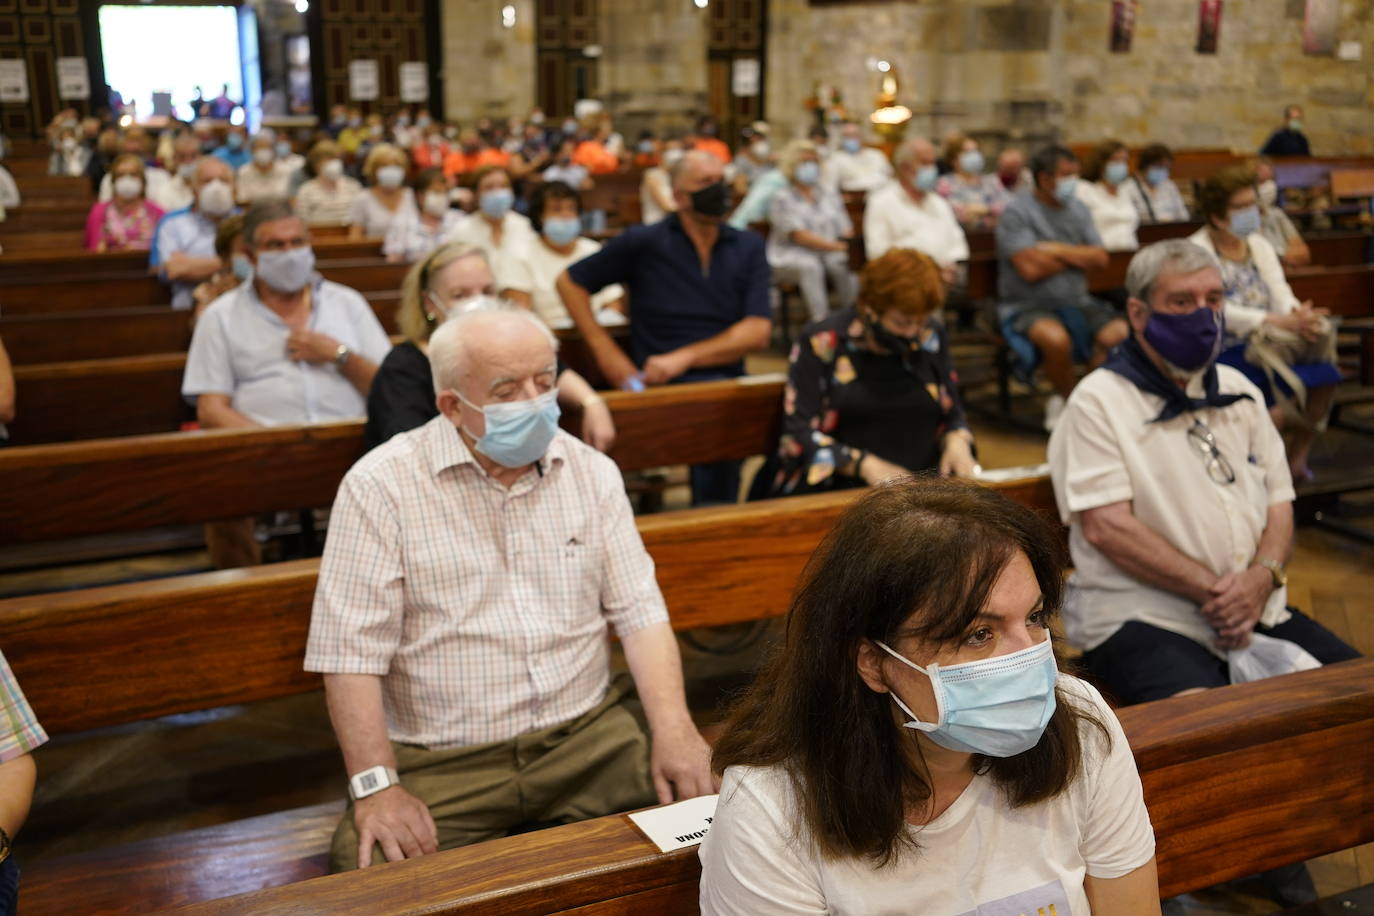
(101, 334)
(137, 482)
(1237, 780)
(59, 266)
(122, 290)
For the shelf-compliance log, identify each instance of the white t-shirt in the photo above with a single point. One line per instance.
(516, 236)
(370, 213)
(536, 270)
(893, 220)
(866, 170)
(649, 210)
(1114, 215)
(979, 858)
(254, 184)
(1106, 450)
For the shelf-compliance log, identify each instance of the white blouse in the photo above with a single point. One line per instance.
(1114, 215)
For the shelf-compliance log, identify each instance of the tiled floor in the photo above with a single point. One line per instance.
(152, 779)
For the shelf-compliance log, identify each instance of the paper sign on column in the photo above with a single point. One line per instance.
(72, 79)
(414, 82)
(678, 825)
(744, 77)
(362, 80)
(14, 81)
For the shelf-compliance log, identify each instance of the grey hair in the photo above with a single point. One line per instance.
(268, 210)
(906, 151)
(1176, 256)
(677, 172)
(448, 354)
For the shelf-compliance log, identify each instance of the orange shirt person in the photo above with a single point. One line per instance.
(707, 139)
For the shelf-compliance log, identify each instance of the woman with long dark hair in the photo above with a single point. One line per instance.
(912, 745)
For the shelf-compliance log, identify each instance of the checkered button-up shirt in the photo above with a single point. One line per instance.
(19, 729)
(485, 609)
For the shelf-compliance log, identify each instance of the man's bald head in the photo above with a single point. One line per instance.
(696, 170)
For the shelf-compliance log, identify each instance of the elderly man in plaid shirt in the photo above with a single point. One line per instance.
(472, 567)
(20, 733)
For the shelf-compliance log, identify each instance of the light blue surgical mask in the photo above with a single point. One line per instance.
(1245, 221)
(283, 149)
(286, 271)
(243, 268)
(807, 173)
(1065, 187)
(1156, 175)
(998, 707)
(926, 177)
(562, 230)
(497, 204)
(971, 161)
(518, 432)
(851, 144)
(1116, 172)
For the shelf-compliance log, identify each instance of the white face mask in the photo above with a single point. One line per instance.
(216, 198)
(1268, 192)
(391, 176)
(127, 187)
(332, 169)
(263, 156)
(436, 203)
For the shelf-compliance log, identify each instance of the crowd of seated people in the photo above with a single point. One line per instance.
(1176, 417)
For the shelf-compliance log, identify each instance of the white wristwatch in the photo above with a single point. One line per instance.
(371, 781)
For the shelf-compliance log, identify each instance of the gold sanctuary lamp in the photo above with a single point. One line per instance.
(889, 119)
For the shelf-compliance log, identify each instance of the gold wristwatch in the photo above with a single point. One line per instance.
(1275, 569)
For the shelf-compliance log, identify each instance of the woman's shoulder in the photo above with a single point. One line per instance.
(766, 789)
(407, 357)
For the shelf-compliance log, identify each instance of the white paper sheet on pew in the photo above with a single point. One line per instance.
(1002, 475)
(681, 824)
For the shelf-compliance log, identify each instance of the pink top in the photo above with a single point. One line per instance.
(120, 231)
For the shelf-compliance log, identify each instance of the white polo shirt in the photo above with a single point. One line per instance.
(1105, 450)
(239, 349)
(866, 170)
(893, 220)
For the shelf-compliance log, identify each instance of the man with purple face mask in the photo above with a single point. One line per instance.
(1177, 492)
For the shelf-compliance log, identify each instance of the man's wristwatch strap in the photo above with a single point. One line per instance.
(371, 781)
(341, 354)
(1275, 570)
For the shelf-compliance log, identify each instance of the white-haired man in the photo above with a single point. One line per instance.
(471, 570)
(907, 213)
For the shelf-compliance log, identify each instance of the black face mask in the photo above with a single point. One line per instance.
(902, 347)
(712, 200)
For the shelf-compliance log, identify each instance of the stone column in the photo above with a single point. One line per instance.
(488, 69)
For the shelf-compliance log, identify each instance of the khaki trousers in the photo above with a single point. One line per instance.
(594, 765)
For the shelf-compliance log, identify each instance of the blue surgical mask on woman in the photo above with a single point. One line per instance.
(997, 707)
(562, 230)
(243, 268)
(926, 177)
(518, 432)
(1156, 175)
(971, 161)
(851, 145)
(498, 202)
(1245, 221)
(1064, 188)
(807, 173)
(1116, 172)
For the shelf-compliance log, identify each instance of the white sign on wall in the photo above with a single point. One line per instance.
(744, 77)
(414, 82)
(73, 81)
(14, 81)
(362, 80)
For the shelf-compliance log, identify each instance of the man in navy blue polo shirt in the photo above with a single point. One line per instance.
(698, 299)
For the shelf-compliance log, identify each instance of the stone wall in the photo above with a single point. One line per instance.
(1020, 71)
(488, 69)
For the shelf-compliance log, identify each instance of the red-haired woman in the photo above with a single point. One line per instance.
(870, 393)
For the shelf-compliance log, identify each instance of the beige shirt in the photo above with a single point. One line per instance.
(253, 184)
(485, 609)
(516, 236)
(536, 271)
(1105, 450)
(893, 220)
(321, 206)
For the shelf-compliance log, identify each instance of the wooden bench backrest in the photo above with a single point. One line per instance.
(195, 642)
(91, 399)
(1352, 183)
(134, 482)
(1237, 780)
(121, 290)
(59, 266)
(1346, 291)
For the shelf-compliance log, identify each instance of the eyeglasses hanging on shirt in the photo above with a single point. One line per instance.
(1218, 468)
